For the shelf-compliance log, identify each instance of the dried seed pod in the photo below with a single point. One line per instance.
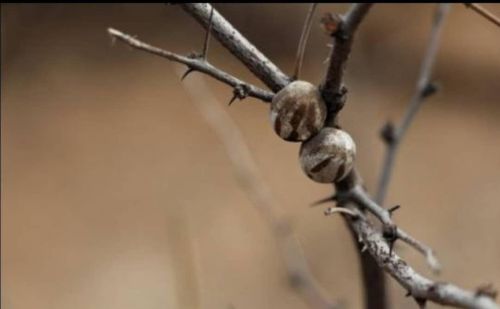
(298, 111)
(329, 156)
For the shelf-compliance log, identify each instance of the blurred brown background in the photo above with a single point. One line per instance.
(116, 193)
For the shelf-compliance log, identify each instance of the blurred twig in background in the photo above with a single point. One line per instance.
(484, 12)
(306, 30)
(257, 190)
(425, 87)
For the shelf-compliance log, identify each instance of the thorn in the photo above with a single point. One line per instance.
(421, 302)
(390, 234)
(240, 92)
(393, 209)
(325, 200)
(391, 246)
(189, 70)
(388, 133)
(232, 99)
(365, 247)
(429, 89)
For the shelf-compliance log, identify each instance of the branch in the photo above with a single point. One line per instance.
(194, 63)
(484, 12)
(249, 179)
(424, 88)
(359, 196)
(238, 45)
(343, 30)
(418, 286)
(352, 196)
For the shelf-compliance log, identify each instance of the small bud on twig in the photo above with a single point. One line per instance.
(331, 23)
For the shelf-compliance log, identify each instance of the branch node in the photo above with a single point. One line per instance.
(240, 92)
(388, 133)
(338, 100)
(487, 290)
(331, 23)
(393, 209)
(429, 89)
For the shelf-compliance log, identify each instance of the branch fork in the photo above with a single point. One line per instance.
(350, 195)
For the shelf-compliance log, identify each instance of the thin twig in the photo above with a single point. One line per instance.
(257, 190)
(332, 87)
(424, 88)
(484, 12)
(207, 35)
(359, 196)
(306, 30)
(239, 46)
(194, 63)
(417, 285)
(334, 210)
(427, 251)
